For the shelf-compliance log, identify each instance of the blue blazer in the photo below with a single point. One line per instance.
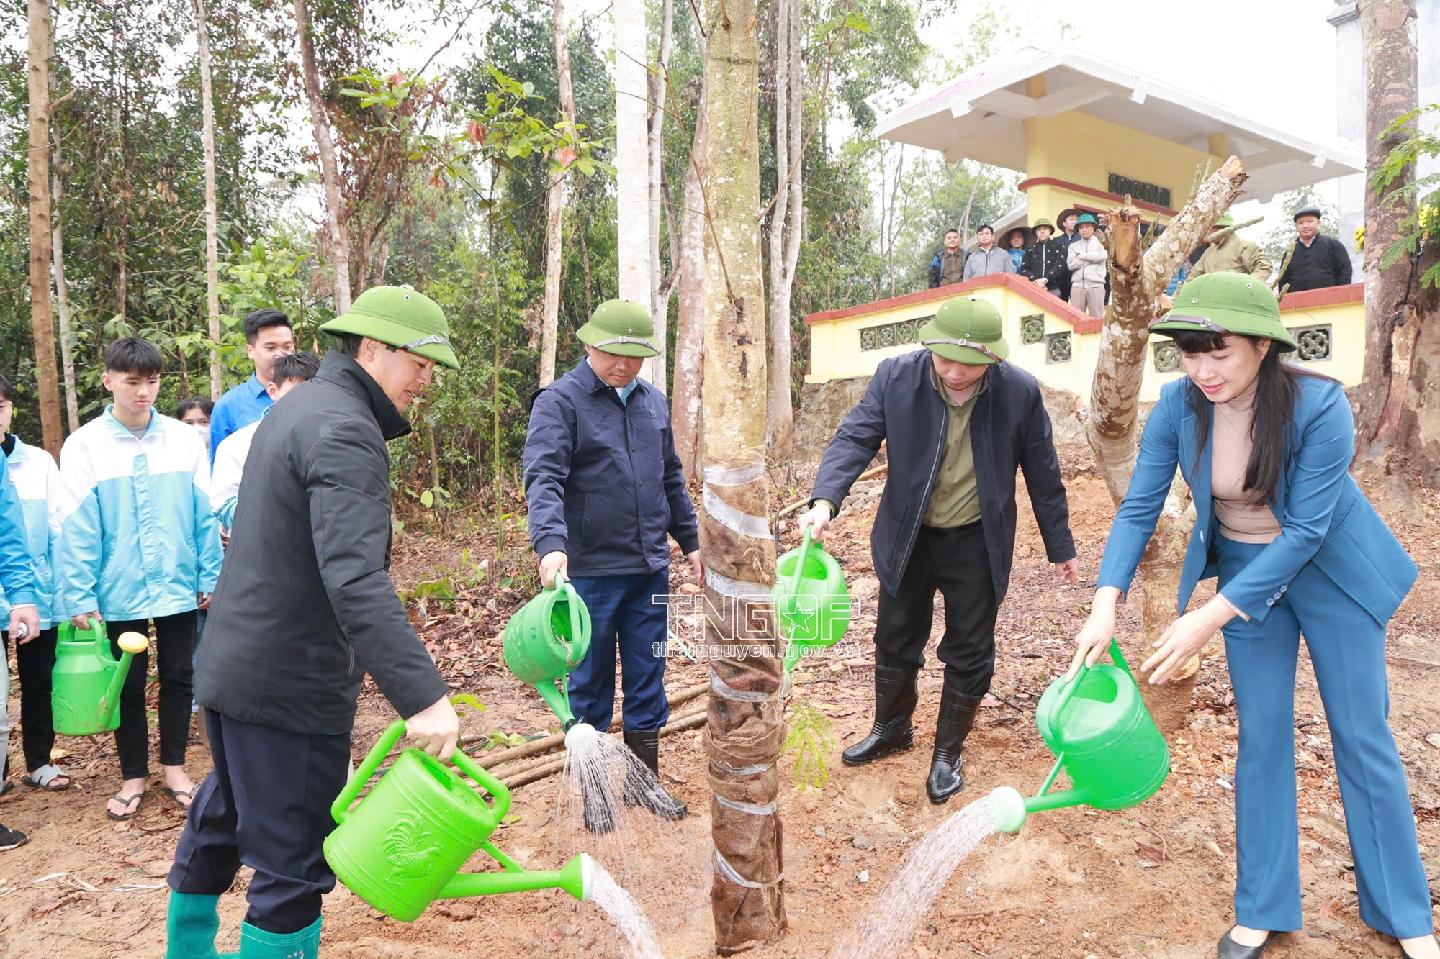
(1325, 518)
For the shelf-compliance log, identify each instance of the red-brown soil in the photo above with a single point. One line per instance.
(1154, 881)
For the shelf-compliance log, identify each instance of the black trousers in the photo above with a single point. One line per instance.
(954, 561)
(35, 664)
(174, 652)
(266, 804)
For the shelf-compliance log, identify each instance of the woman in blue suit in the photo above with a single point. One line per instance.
(1266, 448)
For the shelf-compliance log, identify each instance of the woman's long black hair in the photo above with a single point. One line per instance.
(1277, 386)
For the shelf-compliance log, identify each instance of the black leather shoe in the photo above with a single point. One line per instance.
(895, 699)
(957, 716)
(1230, 949)
(645, 744)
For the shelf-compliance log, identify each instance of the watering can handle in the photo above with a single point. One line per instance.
(340, 808)
(1115, 655)
(564, 586)
(799, 566)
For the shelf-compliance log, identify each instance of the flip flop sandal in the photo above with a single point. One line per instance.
(45, 778)
(175, 795)
(126, 800)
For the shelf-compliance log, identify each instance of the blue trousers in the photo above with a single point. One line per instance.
(265, 804)
(1347, 648)
(624, 611)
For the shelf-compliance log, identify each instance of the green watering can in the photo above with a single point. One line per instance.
(85, 694)
(545, 640)
(812, 603)
(1103, 737)
(402, 847)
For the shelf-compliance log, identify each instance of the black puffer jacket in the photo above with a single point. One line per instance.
(305, 605)
(1045, 261)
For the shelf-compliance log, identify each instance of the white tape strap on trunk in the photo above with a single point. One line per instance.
(737, 589)
(746, 524)
(735, 475)
(728, 873)
(749, 808)
(724, 690)
(740, 771)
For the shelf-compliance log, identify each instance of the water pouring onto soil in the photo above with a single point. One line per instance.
(620, 906)
(592, 809)
(923, 873)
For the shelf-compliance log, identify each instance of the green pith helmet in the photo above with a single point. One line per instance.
(1086, 218)
(621, 327)
(1226, 303)
(402, 317)
(966, 330)
(1043, 222)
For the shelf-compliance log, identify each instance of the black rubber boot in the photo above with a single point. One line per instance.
(645, 744)
(957, 715)
(895, 699)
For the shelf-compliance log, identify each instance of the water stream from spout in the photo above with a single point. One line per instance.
(891, 922)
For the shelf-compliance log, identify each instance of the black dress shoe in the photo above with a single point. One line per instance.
(1230, 949)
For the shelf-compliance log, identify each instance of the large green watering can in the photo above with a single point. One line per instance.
(1102, 735)
(545, 640)
(402, 847)
(812, 603)
(85, 695)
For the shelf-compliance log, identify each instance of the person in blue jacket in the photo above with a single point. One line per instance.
(17, 580)
(1298, 549)
(139, 545)
(36, 481)
(605, 489)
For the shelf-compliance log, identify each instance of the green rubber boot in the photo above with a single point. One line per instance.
(258, 944)
(190, 927)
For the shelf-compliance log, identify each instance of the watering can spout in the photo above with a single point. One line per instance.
(131, 645)
(575, 877)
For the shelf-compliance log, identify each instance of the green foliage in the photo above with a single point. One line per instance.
(809, 739)
(1420, 229)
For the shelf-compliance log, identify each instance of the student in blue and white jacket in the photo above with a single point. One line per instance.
(139, 544)
(18, 583)
(36, 482)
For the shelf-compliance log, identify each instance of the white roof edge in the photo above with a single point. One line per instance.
(1048, 55)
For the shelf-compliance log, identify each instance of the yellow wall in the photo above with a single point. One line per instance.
(835, 351)
(1085, 150)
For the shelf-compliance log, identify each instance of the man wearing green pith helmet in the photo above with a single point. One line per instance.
(304, 608)
(606, 493)
(958, 421)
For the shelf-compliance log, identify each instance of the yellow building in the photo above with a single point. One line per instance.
(1085, 133)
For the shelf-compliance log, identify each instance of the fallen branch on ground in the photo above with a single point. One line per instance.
(550, 766)
(798, 505)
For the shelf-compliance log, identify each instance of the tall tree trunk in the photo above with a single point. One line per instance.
(1137, 278)
(785, 220)
(655, 157)
(212, 223)
(690, 328)
(62, 297)
(632, 160)
(555, 207)
(1387, 31)
(745, 727)
(62, 288)
(335, 217)
(42, 324)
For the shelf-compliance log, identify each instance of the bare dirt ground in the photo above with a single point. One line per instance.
(1154, 881)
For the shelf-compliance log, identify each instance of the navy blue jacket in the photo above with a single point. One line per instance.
(602, 479)
(1009, 430)
(1324, 517)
